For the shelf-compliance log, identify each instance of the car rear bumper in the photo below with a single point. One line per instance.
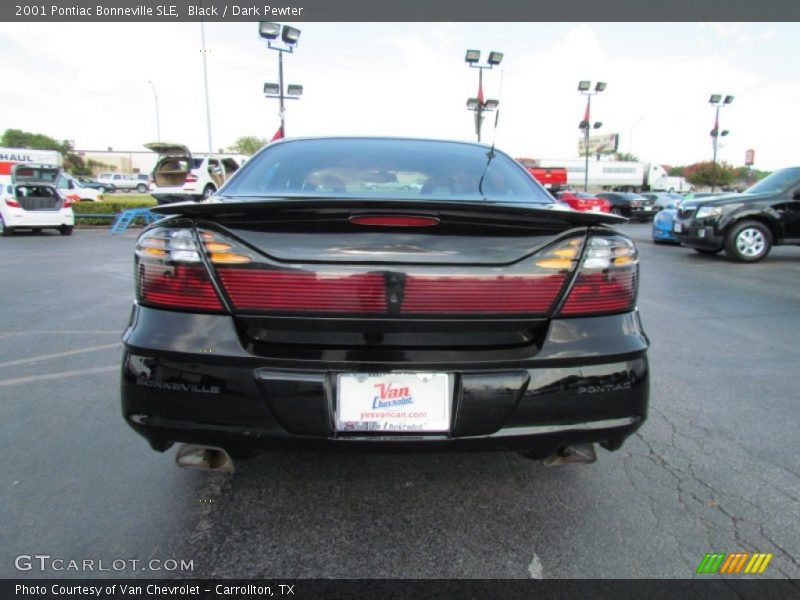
(589, 382)
(19, 218)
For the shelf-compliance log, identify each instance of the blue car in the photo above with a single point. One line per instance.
(662, 227)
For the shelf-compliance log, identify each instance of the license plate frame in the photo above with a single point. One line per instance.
(408, 402)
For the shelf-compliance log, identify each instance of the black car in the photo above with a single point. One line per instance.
(301, 305)
(96, 185)
(745, 225)
(631, 205)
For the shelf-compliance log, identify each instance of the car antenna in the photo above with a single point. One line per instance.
(490, 155)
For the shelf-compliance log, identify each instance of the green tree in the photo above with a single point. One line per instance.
(248, 144)
(16, 138)
(676, 171)
(706, 173)
(627, 157)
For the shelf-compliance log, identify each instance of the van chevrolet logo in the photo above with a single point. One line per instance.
(732, 564)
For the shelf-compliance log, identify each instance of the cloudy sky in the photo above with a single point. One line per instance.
(89, 83)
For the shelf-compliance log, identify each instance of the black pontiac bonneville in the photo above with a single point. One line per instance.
(362, 292)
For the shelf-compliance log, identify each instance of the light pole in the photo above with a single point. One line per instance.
(584, 87)
(158, 120)
(289, 37)
(205, 85)
(717, 101)
(480, 105)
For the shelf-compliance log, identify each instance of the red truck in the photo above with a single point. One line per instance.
(552, 178)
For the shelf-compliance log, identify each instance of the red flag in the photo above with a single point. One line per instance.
(480, 93)
(278, 135)
(586, 114)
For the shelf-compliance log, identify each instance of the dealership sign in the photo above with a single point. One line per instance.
(599, 144)
(749, 157)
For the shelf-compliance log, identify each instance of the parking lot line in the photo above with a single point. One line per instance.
(32, 359)
(18, 380)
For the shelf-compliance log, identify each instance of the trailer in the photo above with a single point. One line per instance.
(608, 174)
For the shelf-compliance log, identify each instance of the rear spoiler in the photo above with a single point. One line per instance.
(529, 213)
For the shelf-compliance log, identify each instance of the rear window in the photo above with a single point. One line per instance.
(385, 168)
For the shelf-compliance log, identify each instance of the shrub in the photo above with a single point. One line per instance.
(106, 207)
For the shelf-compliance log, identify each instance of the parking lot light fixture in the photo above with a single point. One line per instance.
(495, 58)
(585, 88)
(717, 101)
(289, 38)
(269, 31)
(480, 105)
(290, 35)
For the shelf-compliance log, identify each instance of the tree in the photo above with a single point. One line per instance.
(627, 157)
(676, 171)
(16, 138)
(248, 144)
(706, 173)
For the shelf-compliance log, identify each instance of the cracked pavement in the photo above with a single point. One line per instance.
(714, 469)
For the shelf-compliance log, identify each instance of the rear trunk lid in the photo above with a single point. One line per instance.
(174, 164)
(35, 186)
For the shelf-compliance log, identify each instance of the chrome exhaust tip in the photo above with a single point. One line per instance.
(204, 458)
(579, 453)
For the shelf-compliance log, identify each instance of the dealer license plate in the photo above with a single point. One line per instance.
(677, 227)
(393, 402)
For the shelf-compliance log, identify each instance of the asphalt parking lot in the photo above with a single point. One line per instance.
(714, 469)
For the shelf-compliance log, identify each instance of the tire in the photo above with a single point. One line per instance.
(209, 191)
(706, 251)
(748, 241)
(65, 229)
(5, 231)
(102, 189)
(141, 188)
(616, 210)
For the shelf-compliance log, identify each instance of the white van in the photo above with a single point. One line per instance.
(179, 176)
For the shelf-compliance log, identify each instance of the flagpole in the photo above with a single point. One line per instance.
(587, 118)
(716, 141)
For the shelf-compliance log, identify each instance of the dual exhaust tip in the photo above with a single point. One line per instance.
(214, 458)
(204, 458)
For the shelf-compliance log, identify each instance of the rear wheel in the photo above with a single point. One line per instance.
(102, 189)
(4, 231)
(209, 191)
(616, 210)
(65, 230)
(748, 241)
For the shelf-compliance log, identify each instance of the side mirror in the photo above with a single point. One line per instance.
(796, 194)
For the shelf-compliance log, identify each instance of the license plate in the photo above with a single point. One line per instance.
(677, 227)
(393, 402)
(596, 208)
(648, 208)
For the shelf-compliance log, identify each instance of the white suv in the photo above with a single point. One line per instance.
(126, 181)
(178, 176)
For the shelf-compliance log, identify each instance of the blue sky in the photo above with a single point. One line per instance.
(88, 82)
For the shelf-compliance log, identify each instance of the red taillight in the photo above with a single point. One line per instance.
(67, 202)
(181, 286)
(191, 178)
(522, 294)
(12, 203)
(258, 289)
(601, 293)
(607, 280)
(395, 221)
(171, 273)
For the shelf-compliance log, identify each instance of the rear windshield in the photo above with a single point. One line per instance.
(385, 168)
(23, 174)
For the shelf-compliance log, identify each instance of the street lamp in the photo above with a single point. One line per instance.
(289, 38)
(158, 120)
(585, 88)
(480, 105)
(717, 101)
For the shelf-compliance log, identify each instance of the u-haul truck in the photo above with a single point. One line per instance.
(29, 196)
